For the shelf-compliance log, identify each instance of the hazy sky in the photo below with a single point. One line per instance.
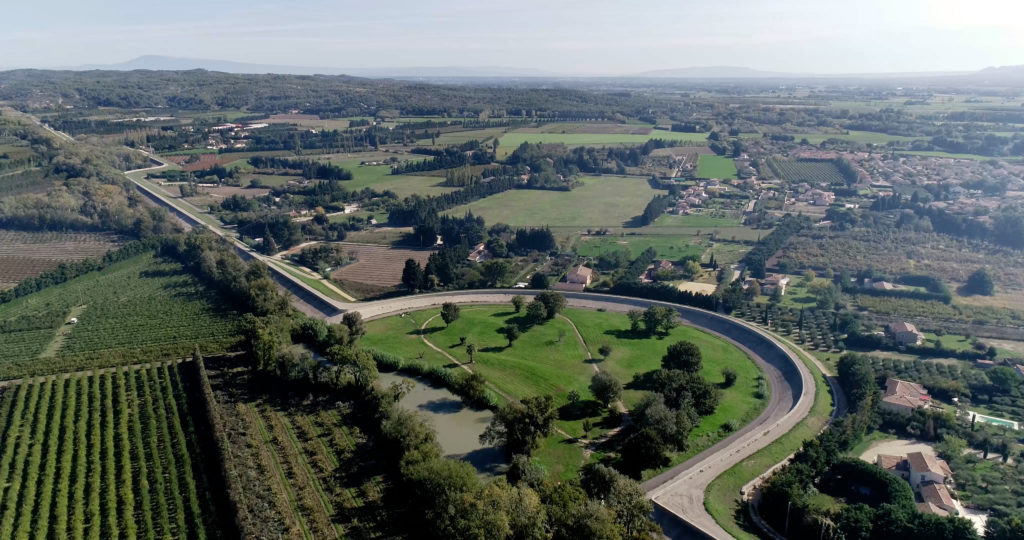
(565, 36)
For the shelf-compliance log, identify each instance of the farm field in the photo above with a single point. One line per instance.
(865, 137)
(668, 247)
(379, 177)
(548, 359)
(25, 254)
(377, 265)
(702, 221)
(140, 308)
(459, 137)
(602, 201)
(108, 454)
(297, 466)
(815, 172)
(710, 166)
(590, 127)
(510, 141)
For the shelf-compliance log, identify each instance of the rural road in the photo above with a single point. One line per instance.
(678, 492)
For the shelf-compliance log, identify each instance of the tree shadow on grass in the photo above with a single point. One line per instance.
(502, 314)
(643, 381)
(494, 349)
(588, 408)
(619, 333)
(426, 331)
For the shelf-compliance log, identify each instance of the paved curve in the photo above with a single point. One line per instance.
(680, 490)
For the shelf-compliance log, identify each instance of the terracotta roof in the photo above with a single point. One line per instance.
(919, 462)
(929, 508)
(580, 274)
(890, 463)
(936, 494)
(903, 327)
(896, 387)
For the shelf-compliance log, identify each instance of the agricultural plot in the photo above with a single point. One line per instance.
(510, 141)
(140, 308)
(863, 137)
(602, 201)
(28, 254)
(297, 467)
(117, 453)
(812, 172)
(667, 247)
(720, 167)
(377, 265)
(379, 177)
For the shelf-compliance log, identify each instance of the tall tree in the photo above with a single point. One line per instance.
(449, 312)
(682, 355)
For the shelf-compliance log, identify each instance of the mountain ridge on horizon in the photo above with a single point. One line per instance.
(169, 63)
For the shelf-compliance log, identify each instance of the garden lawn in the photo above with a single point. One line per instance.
(602, 201)
(710, 166)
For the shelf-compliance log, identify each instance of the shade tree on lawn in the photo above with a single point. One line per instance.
(519, 427)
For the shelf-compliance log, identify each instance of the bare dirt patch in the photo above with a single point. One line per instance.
(27, 254)
(895, 447)
(227, 191)
(377, 265)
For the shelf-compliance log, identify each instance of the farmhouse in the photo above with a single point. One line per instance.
(576, 279)
(904, 396)
(479, 254)
(771, 282)
(927, 476)
(905, 333)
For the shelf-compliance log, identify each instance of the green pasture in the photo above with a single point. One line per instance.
(602, 201)
(710, 166)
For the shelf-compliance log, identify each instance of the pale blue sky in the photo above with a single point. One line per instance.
(602, 37)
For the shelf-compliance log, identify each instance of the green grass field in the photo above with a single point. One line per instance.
(931, 153)
(669, 247)
(139, 308)
(602, 201)
(511, 141)
(548, 360)
(864, 137)
(379, 177)
(709, 166)
(696, 221)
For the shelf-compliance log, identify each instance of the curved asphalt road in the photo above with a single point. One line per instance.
(679, 491)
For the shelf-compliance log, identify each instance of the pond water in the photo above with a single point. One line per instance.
(458, 426)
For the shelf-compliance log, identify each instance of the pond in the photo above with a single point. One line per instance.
(458, 426)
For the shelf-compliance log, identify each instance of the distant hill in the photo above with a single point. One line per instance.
(714, 72)
(169, 63)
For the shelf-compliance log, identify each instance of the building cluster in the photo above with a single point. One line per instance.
(231, 135)
(927, 476)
